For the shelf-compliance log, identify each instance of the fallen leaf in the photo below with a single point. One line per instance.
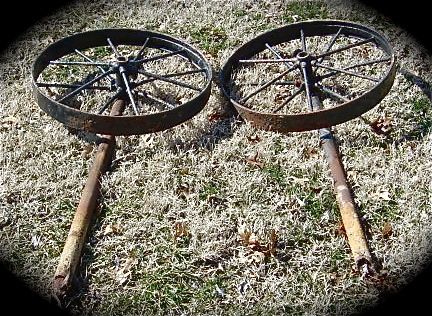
(310, 151)
(183, 190)
(340, 229)
(124, 273)
(259, 250)
(217, 116)
(86, 150)
(253, 160)
(387, 230)
(181, 230)
(381, 126)
(112, 229)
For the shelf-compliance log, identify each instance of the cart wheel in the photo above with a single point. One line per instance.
(271, 79)
(163, 81)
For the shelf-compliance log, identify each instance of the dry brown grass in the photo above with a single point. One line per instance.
(169, 238)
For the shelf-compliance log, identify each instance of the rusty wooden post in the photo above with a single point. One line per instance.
(71, 254)
(353, 227)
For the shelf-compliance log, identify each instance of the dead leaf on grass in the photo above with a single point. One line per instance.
(250, 240)
(181, 230)
(7, 122)
(310, 151)
(217, 116)
(112, 229)
(88, 148)
(340, 229)
(253, 160)
(382, 126)
(387, 230)
(124, 273)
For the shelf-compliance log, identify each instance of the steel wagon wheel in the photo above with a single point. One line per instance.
(163, 81)
(270, 79)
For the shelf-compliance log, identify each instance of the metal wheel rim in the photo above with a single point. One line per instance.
(316, 119)
(127, 124)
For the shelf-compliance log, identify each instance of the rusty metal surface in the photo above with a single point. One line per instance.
(353, 227)
(352, 224)
(128, 124)
(70, 257)
(320, 118)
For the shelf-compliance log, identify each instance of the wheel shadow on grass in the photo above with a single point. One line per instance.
(223, 122)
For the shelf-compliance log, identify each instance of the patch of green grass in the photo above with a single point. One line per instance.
(387, 211)
(210, 189)
(66, 206)
(275, 173)
(212, 39)
(239, 12)
(164, 289)
(316, 205)
(305, 10)
(211, 289)
(338, 259)
(417, 118)
(277, 146)
(421, 105)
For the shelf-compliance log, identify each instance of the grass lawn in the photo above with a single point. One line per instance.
(180, 207)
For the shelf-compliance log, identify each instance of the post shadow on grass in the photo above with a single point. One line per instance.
(424, 124)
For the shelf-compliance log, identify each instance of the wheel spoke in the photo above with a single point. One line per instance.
(275, 52)
(88, 59)
(141, 51)
(110, 100)
(279, 83)
(164, 78)
(307, 88)
(129, 92)
(160, 56)
(68, 86)
(369, 62)
(78, 63)
(176, 74)
(264, 86)
(332, 93)
(264, 60)
(84, 86)
(303, 40)
(351, 73)
(337, 50)
(114, 49)
(330, 45)
(156, 99)
(291, 97)
(366, 63)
